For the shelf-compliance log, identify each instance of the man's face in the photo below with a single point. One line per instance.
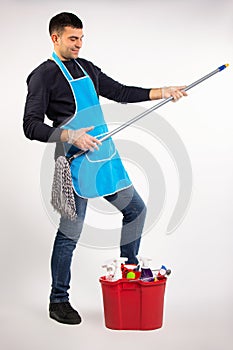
(68, 44)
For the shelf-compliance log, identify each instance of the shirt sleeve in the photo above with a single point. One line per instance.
(35, 109)
(113, 90)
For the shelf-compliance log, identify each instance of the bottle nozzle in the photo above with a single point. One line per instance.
(144, 261)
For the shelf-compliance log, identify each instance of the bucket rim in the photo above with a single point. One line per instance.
(104, 281)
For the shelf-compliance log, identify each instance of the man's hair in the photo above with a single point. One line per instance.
(62, 20)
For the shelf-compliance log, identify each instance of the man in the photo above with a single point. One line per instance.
(62, 88)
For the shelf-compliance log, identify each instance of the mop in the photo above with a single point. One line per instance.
(62, 198)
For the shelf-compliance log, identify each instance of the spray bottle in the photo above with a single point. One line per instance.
(110, 267)
(146, 273)
(118, 272)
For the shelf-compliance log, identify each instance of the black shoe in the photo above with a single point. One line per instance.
(64, 313)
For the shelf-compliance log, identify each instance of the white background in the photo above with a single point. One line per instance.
(148, 43)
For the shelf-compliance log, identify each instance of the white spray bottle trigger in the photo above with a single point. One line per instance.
(118, 272)
(144, 262)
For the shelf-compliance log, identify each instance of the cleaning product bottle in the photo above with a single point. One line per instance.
(110, 267)
(118, 272)
(130, 271)
(146, 273)
(163, 272)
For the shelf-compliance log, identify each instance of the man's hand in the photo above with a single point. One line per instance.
(81, 139)
(174, 91)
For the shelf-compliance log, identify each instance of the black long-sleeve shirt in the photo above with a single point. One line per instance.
(49, 94)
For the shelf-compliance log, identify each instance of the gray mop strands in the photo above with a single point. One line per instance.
(62, 189)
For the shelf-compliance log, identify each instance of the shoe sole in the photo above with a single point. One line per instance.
(62, 320)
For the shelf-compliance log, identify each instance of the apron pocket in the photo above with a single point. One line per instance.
(106, 152)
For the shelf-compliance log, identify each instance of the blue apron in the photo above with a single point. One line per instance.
(101, 172)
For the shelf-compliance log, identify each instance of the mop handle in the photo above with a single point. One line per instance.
(148, 111)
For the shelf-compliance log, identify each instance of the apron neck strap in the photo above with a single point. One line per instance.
(62, 67)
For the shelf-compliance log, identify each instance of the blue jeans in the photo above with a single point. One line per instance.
(133, 209)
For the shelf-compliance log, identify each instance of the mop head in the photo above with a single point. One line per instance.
(62, 198)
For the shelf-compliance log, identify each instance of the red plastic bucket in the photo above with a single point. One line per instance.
(133, 304)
